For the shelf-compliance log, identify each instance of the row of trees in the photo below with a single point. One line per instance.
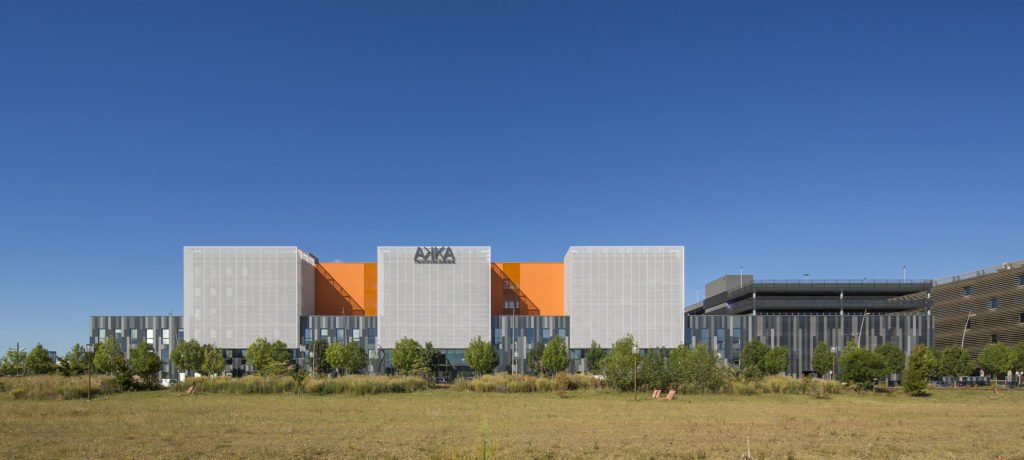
(191, 357)
(107, 358)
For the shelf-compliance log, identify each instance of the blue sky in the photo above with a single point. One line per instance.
(840, 140)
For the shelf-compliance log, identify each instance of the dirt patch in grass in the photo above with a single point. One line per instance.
(450, 424)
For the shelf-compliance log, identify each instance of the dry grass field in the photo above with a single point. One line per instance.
(447, 424)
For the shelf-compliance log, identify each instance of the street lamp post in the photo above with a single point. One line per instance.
(963, 337)
(833, 376)
(88, 352)
(635, 356)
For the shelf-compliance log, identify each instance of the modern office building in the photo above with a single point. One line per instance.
(978, 308)
(799, 314)
(445, 295)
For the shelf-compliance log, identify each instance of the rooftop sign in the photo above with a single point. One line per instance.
(434, 255)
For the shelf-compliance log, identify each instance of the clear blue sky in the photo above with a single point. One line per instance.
(844, 141)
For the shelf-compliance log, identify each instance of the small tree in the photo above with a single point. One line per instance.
(535, 359)
(188, 356)
(269, 358)
(860, 366)
(434, 358)
(821, 359)
(318, 350)
(707, 375)
(143, 362)
(335, 355)
(38, 361)
(996, 359)
(920, 367)
(108, 357)
(776, 360)
(893, 356)
(13, 362)
(76, 360)
(752, 359)
(594, 356)
(654, 374)
(408, 358)
(481, 356)
(353, 357)
(213, 361)
(555, 357)
(955, 362)
(619, 362)
(1018, 357)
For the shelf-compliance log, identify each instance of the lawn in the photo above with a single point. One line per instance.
(445, 423)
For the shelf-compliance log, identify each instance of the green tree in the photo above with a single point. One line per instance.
(481, 356)
(407, 356)
(776, 360)
(861, 367)
(654, 373)
(619, 362)
(38, 361)
(213, 361)
(893, 356)
(555, 357)
(13, 363)
(678, 367)
(434, 358)
(594, 356)
(955, 362)
(188, 356)
(108, 357)
(996, 359)
(920, 366)
(145, 363)
(535, 359)
(318, 350)
(267, 358)
(752, 359)
(77, 360)
(821, 359)
(1018, 357)
(353, 358)
(335, 355)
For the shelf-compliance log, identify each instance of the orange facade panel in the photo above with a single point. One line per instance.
(346, 289)
(538, 288)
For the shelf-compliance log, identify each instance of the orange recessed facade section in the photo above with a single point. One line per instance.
(346, 289)
(528, 288)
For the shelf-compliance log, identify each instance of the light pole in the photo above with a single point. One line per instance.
(88, 353)
(833, 376)
(305, 358)
(967, 323)
(515, 361)
(904, 273)
(635, 356)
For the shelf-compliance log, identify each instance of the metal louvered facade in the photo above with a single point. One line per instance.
(612, 291)
(234, 295)
(726, 334)
(444, 301)
(993, 300)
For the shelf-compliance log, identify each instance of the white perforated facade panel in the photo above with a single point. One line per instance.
(234, 295)
(447, 304)
(612, 291)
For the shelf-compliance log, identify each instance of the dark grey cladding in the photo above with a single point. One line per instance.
(727, 334)
(129, 331)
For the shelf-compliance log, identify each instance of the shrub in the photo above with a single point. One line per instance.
(516, 383)
(276, 384)
(920, 366)
(861, 367)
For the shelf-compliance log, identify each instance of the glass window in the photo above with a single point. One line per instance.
(134, 335)
(323, 333)
(118, 334)
(967, 290)
(993, 304)
(340, 335)
(497, 335)
(166, 336)
(968, 324)
(101, 333)
(150, 337)
(1021, 280)
(704, 335)
(995, 338)
(355, 334)
(530, 336)
(181, 334)
(735, 337)
(371, 336)
(545, 334)
(561, 332)
(163, 355)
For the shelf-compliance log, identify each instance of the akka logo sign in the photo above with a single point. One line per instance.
(434, 255)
